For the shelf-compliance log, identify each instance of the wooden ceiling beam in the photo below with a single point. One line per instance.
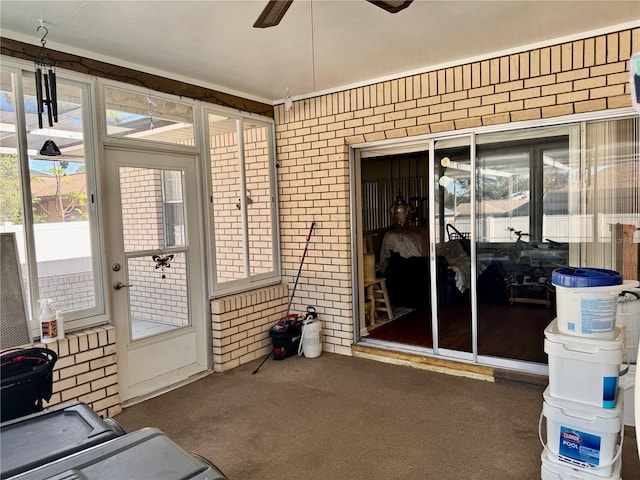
(76, 63)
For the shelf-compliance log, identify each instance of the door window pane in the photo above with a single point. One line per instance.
(158, 300)
(172, 188)
(149, 221)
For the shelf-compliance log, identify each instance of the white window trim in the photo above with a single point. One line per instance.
(99, 314)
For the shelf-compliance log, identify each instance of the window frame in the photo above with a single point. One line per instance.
(99, 313)
(248, 281)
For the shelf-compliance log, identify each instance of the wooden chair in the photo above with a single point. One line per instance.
(375, 290)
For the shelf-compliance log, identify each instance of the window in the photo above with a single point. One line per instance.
(49, 201)
(608, 200)
(242, 220)
(140, 116)
(173, 208)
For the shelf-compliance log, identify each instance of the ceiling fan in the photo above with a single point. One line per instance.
(275, 10)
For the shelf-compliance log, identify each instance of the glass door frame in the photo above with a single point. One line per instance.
(134, 353)
(433, 260)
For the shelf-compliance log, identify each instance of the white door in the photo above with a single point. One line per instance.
(155, 255)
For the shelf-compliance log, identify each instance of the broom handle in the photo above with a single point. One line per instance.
(304, 254)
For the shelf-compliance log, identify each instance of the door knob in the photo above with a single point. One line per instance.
(119, 285)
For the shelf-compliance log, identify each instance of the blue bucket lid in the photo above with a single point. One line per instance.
(585, 277)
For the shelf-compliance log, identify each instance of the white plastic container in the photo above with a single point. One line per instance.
(583, 436)
(629, 315)
(627, 387)
(311, 341)
(48, 322)
(556, 471)
(586, 300)
(582, 369)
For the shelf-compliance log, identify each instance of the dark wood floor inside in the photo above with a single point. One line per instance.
(506, 331)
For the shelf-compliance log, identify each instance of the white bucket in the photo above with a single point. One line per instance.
(582, 436)
(583, 369)
(586, 300)
(551, 470)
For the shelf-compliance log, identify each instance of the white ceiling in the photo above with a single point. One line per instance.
(319, 46)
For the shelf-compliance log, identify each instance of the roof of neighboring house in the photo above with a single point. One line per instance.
(45, 186)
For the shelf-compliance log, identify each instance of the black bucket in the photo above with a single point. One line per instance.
(286, 335)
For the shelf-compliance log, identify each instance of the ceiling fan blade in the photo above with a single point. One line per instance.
(272, 13)
(391, 6)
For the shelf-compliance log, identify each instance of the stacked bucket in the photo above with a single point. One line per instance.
(583, 403)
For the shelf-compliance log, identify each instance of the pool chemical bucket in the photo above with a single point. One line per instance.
(583, 369)
(586, 300)
(311, 340)
(556, 471)
(587, 438)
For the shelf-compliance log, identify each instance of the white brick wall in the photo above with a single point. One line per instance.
(241, 322)
(312, 143)
(87, 371)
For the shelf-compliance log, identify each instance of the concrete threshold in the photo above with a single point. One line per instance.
(450, 367)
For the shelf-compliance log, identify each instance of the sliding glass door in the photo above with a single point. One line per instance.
(504, 209)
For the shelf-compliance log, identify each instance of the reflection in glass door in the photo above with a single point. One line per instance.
(452, 230)
(522, 234)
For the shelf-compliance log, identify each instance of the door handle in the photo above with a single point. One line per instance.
(119, 285)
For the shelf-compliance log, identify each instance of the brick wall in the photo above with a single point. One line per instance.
(87, 371)
(72, 291)
(241, 323)
(312, 143)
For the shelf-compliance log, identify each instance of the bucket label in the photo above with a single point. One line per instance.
(584, 447)
(598, 315)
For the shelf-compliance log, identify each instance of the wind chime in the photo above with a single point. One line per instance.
(162, 262)
(46, 92)
(150, 111)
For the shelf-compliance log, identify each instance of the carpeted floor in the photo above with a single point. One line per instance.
(338, 417)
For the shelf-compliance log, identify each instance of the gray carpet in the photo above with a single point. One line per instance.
(337, 417)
